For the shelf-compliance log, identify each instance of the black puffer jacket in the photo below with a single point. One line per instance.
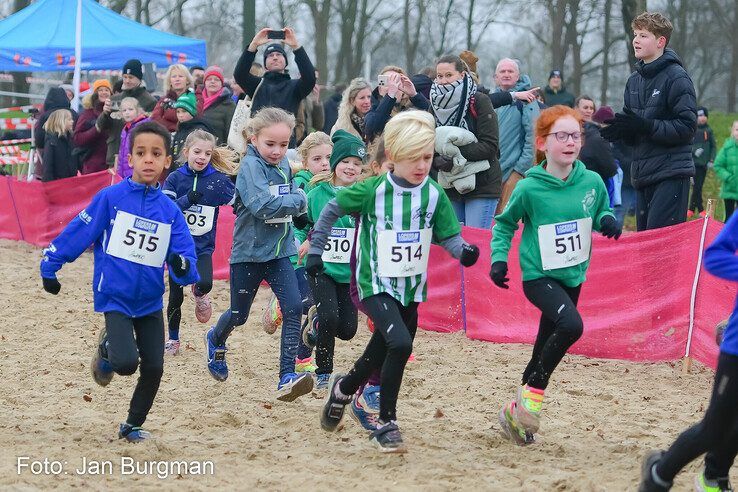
(58, 160)
(596, 153)
(661, 91)
(277, 89)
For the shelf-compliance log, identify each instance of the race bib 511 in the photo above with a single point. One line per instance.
(565, 244)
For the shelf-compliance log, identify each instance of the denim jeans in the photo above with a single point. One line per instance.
(303, 351)
(628, 197)
(476, 212)
(245, 280)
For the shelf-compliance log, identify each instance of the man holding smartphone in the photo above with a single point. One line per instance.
(275, 88)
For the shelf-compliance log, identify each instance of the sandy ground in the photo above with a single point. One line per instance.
(600, 416)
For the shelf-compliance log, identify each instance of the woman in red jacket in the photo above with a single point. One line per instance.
(87, 136)
(177, 81)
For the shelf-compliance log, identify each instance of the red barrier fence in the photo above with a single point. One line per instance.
(635, 302)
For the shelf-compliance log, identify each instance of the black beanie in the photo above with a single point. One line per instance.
(272, 48)
(555, 73)
(133, 67)
(702, 111)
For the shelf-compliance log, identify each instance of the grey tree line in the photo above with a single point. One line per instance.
(589, 40)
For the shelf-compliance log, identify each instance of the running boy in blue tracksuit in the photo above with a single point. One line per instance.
(199, 188)
(134, 228)
(716, 435)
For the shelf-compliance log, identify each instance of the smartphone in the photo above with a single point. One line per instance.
(382, 80)
(275, 34)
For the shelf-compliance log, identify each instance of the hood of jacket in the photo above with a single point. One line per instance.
(276, 76)
(548, 90)
(56, 98)
(193, 124)
(523, 84)
(650, 70)
(548, 180)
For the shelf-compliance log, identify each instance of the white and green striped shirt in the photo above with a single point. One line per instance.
(385, 205)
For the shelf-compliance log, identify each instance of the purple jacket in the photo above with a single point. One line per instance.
(124, 169)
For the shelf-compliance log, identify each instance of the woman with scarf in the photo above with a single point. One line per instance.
(456, 102)
(397, 94)
(355, 104)
(215, 104)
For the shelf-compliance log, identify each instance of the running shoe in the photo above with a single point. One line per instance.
(215, 357)
(649, 483)
(511, 429)
(321, 381)
(102, 370)
(310, 329)
(291, 386)
(370, 324)
(272, 318)
(305, 365)
(369, 399)
(701, 484)
(171, 347)
(388, 439)
(333, 408)
(203, 308)
(690, 214)
(528, 406)
(368, 420)
(133, 434)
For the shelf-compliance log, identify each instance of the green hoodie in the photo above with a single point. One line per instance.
(726, 167)
(318, 197)
(542, 199)
(302, 180)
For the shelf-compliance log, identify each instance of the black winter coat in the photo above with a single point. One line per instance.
(661, 91)
(56, 98)
(183, 131)
(330, 112)
(484, 127)
(596, 153)
(58, 160)
(277, 89)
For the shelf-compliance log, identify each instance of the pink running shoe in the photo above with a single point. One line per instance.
(203, 309)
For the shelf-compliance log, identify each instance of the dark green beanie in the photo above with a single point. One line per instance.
(188, 102)
(346, 145)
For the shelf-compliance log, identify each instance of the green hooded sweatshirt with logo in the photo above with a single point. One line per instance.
(342, 233)
(555, 212)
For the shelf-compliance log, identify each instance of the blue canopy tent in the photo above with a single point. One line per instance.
(41, 37)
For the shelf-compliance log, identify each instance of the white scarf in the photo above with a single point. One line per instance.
(451, 101)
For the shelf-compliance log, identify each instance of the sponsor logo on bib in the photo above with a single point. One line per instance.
(145, 225)
(338, 232)
(408, 237)
(566, 228)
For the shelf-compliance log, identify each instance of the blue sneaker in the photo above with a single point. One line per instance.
(365, 408)
(215, 357)
(292, 385)
(133, 434)
(102, 370)
(321, 381)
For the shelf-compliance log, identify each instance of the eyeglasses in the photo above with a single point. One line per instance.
(564, 136)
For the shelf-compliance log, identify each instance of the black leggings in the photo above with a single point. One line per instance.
(560, 326)
(176, 293)
(389, 348)
(337, 317)
(729, 207)
(696, 202)
(128, 340)
(716, 435)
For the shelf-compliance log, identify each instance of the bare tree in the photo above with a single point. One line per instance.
(477, 21)
(606, 48)
(630, 10)
(729, 29)
(321, 14)
(410, 33)
(439, 40)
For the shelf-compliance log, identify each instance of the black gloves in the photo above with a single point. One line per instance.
(609, 227)
(314, 265)
(442, 163)
(51, 285)
(469, 255)
(179, 264)
(498, 274)
(300, 221)
(194, 197)
(626, 126)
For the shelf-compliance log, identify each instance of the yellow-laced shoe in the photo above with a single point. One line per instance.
(272, 318)
(701, 484)
(511, 428)
(528, 406)
(305, 365)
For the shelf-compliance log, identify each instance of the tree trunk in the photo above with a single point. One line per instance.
(411, 34)
(321, 13)
(557, 14)
(630, 10)
(574, 81)
(248, 22)
(733, 79)
(605, 49)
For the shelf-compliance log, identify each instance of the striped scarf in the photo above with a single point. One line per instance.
(451, 101)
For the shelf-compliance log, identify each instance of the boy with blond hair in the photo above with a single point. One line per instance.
(659, 120)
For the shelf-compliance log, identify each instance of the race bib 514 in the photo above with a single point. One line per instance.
(403, 253)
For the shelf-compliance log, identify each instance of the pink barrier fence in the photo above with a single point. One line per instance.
(635, 303)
